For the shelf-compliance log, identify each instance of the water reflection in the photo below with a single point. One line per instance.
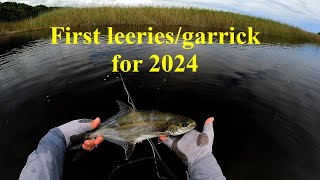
(265, 100)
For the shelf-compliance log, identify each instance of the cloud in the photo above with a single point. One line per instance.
(295, 12)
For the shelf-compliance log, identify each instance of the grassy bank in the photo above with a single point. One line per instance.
(156, 16)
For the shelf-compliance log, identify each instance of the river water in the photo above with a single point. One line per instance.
(265, 100)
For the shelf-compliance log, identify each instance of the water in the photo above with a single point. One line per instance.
(265, 100)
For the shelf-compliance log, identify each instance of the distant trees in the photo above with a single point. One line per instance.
(12, 11)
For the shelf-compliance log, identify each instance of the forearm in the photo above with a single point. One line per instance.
(206, 168)
(46, 162)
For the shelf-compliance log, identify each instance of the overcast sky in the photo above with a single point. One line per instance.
(302, 13)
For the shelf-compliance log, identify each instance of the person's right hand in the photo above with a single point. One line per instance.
(80, 126)
(92, 143)
(193, 145)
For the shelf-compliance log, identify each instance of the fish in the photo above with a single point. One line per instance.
(129, 127)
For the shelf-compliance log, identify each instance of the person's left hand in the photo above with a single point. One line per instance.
(193, 145)
(80, 126)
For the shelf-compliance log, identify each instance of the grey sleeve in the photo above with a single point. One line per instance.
(46, 162)
(206, 168)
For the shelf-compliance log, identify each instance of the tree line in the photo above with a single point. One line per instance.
(12, 11)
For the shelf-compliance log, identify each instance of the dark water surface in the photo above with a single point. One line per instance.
(265, 100)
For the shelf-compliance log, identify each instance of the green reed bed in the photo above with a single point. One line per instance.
(157, 16)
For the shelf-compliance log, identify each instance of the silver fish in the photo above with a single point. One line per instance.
(129, 127)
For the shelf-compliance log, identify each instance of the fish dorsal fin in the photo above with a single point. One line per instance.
(123, 110)
(123, 107)
(127, 146)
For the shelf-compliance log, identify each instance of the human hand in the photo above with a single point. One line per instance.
(81, 126)
(193, 145)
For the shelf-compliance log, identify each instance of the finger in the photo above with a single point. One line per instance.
(208, 128)
(162, 138)
(209, 120)
(95, 123)
(89, 143)
(166, 140)
(88, 148)
(98, 140)
(86, 125)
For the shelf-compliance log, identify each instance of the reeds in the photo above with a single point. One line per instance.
(157, 16)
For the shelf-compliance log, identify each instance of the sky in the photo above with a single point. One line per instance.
(301, 13)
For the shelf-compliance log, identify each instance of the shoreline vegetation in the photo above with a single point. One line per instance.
(156, 16)
(12, 11)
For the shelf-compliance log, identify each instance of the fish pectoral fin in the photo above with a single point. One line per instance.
(127, 146)
(129, 149)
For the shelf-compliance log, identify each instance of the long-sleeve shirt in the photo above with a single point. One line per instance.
(46, 162)
(206, 168)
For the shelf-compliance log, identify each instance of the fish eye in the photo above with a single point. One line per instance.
(185, 124)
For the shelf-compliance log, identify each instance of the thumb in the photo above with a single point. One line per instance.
(86, 125)
(95, 123)
(208, 128)
(166, 140)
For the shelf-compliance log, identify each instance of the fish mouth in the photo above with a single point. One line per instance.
(193, 125)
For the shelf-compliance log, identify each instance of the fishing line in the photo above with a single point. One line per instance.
(154, 149)
(154, 155)
(131, 162)
(130, 101)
